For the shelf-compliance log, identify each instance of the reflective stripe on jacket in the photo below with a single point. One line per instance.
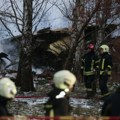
(88, 73)
(105, 64)
(108, 73)
(89, 63)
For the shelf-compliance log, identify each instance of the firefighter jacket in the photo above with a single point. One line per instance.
(3, 107)
(105, 64)
(57, 106)
(89, 63)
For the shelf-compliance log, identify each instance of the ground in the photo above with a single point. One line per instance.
(31, 103)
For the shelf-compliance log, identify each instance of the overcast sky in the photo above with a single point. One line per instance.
(54, 19)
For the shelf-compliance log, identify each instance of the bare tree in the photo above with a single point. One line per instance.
(80, 17)
(84, 13)
(27, 22)
(106, 16)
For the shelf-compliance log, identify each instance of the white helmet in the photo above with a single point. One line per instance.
(105, 48)
(7, 88)
(64, 79)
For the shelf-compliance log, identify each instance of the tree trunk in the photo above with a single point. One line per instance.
(26, 71)
(77, 44)
(74, 56)
(25, 63)
(18, 80)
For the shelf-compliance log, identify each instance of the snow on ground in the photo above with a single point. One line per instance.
(31, 103)
(80, 106)
(74, 102)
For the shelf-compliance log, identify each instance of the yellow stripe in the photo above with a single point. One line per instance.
(51, 114)
(109, 66)
(92, 65)
(109, 72)
(97, 66)
(105, 95)
(89, 73)
(97, 61)
(103, 64)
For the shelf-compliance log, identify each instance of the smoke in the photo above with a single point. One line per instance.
(53, 19)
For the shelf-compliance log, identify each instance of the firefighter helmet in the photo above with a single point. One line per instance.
(105, 48)
(91, 46)
(7, 88)
(64, 79)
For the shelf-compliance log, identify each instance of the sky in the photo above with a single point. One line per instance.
(54, 18)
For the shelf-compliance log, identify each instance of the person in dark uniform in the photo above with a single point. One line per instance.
(58, 102)
(105, 68)
(7, 93)
(111, 106)
(88, 70)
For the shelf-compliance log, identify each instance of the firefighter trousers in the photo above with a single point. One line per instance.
(103, 79)
(90, 85)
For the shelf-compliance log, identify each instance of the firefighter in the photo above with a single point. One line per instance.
(111, 106)
(7, 93)
(105, 67)
(58, 102)
(88, 70)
